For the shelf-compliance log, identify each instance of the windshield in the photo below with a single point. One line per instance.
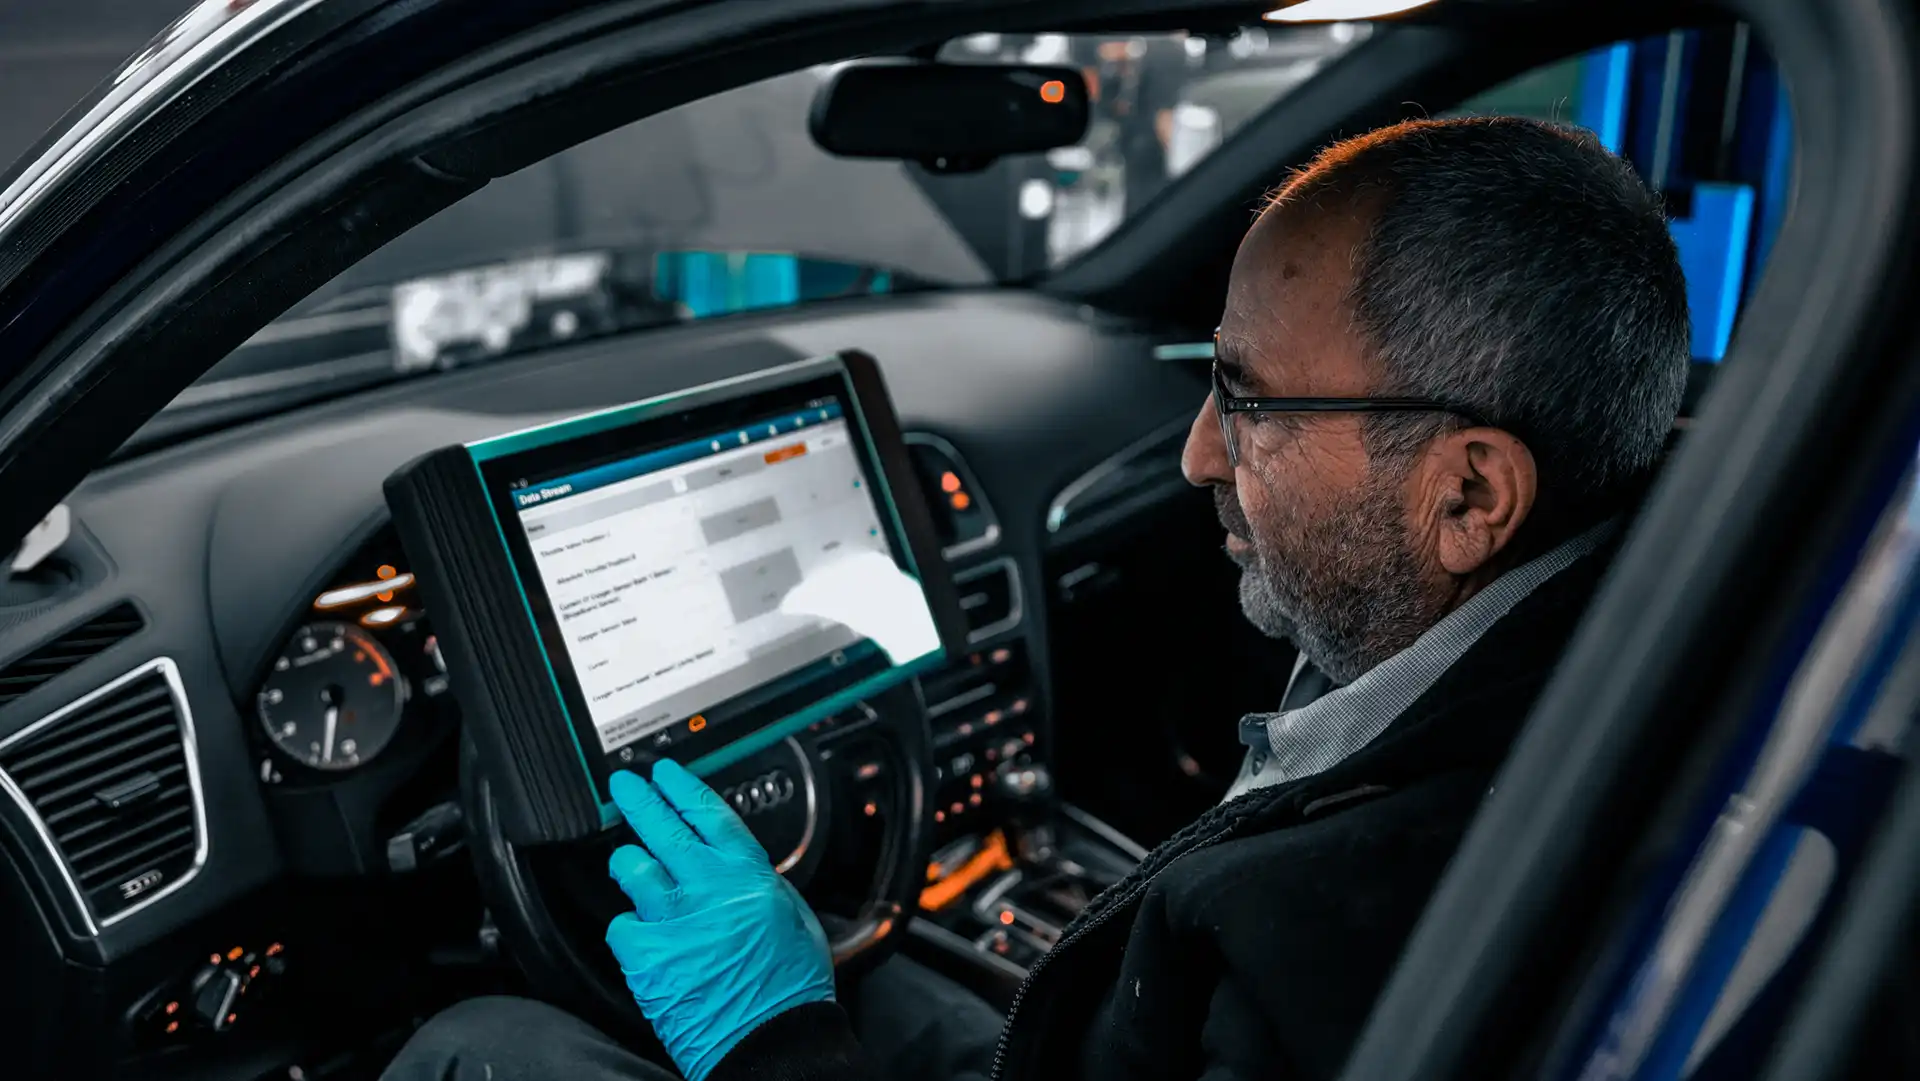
(725, 204)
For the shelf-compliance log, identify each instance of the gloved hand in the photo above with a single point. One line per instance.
(718, 942)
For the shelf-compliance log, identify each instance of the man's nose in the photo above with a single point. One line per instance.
(1203, 460)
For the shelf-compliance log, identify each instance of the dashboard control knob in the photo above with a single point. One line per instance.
(1023, 782)
(214, 995)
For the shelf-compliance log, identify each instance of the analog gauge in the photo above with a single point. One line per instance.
(334, 698)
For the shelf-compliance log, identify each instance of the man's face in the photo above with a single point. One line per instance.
(1323, 535)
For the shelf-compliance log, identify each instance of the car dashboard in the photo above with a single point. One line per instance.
(151, 661)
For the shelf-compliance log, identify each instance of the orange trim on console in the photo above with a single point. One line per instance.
(992, 857)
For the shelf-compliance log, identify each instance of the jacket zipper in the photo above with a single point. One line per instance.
(1013, 1009)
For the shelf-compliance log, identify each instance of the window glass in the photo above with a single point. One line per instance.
(725, 205)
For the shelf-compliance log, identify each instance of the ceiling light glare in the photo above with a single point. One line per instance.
(1326, 11)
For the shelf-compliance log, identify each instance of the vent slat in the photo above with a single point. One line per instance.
(115, 737)
(88, 785)
(115, 720)
(32, 777)
(56, 820)
(121, 865)
(144, 826)
(82, 643)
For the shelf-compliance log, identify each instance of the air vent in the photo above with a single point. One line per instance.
(990, 598)
(110, 783)
(1138, 477)
(961, 518)
(82, 643)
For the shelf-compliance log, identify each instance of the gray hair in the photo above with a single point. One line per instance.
(1523, 272)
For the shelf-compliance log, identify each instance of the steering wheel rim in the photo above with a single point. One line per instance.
(528, 894)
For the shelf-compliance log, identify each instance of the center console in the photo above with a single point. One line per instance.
(1012, 865)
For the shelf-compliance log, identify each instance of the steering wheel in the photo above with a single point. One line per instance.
(841, 808)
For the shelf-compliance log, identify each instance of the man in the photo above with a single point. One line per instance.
(1450, 355)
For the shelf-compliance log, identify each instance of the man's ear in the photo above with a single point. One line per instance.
(1484, 482)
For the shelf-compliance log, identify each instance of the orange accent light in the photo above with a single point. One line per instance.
(232, 1017)
(235, 954)
(992, 857)
(384, 597)
(214, 959)
(253, 972)
(949, 481)
(387, 570)
(1006, 917)
(173, 1026)
(938, 816)
(275, 950)
(697, 722)
(376, 678)
(1053, 91)
(871, 809)
(960, 500)
(173, 1007)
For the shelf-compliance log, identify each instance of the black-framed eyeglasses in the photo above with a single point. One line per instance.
(1227, 405)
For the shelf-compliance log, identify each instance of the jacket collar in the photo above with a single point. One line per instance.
(1470, 716)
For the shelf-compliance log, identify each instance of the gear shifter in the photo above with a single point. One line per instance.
(1026, 788)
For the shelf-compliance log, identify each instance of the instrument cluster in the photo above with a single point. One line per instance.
(359, 676)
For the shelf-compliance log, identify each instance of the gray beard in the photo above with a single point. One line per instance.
(1347, 590)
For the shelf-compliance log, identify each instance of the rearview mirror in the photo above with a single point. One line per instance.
(948, 117)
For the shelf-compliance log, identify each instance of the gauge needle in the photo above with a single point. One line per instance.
(326, 747)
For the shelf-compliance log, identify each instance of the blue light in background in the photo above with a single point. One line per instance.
(713, 283)
(716, 283)
(1713, 255)
(1603, 93)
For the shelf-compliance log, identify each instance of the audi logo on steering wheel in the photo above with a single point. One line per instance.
(763, 793)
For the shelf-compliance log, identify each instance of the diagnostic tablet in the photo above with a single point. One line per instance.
(695, 576)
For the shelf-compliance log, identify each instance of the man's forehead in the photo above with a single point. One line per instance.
(1287, 298)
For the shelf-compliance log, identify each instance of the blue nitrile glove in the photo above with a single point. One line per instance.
(718, 941)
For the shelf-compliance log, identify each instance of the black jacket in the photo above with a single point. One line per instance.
(1253, 943)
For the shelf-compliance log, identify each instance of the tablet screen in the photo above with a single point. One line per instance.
(700, 576)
